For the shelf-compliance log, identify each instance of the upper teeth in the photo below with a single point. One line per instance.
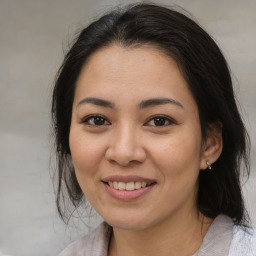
(127, 186)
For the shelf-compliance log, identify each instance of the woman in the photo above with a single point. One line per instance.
(147, 129)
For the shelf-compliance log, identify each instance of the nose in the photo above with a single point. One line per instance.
(125, 146)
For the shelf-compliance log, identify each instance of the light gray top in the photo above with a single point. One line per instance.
(222, 239)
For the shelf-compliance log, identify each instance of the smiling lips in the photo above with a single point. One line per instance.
(128, 188)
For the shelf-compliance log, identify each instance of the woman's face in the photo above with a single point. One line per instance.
(135, 137)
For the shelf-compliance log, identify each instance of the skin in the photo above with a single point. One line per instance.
(128, 140)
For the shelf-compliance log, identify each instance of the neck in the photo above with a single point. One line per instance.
(179, 236)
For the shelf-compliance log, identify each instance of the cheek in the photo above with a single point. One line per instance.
(178, 156)
(87, 156)
(86, 152)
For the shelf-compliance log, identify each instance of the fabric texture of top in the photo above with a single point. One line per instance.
(222, 239)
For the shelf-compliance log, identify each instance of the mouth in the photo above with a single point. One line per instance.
(128, 186)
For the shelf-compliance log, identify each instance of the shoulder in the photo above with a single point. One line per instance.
(95, 243)
(243, 242)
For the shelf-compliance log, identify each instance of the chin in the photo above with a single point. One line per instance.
(130, 221)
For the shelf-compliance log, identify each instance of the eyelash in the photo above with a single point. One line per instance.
(162, 119)
(87, 120)
(157, 118)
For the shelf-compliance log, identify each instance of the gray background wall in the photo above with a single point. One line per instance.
(33, 34)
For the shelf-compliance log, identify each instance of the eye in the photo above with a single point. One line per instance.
(95, 120)
(160, 121)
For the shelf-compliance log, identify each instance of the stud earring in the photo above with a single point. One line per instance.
(208, 165)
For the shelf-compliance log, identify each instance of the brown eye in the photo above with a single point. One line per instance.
(98, 120)
(95, 121)
(160, 121)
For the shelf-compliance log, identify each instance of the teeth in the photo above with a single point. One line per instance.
(138, 185)
(127, 186)
(121, 186)
(115, 184)
(130, 186)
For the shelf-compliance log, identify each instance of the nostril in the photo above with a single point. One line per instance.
(125, 155)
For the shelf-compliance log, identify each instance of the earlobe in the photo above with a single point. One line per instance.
(212, 146)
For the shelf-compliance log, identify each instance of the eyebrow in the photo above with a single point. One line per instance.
(143, 104)
(159, 101)
(96, 101)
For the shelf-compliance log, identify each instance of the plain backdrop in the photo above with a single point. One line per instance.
(34, 34)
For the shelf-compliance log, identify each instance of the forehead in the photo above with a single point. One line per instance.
(116, 58)
(140, 72)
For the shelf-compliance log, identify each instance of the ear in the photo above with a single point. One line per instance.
(212, 146)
